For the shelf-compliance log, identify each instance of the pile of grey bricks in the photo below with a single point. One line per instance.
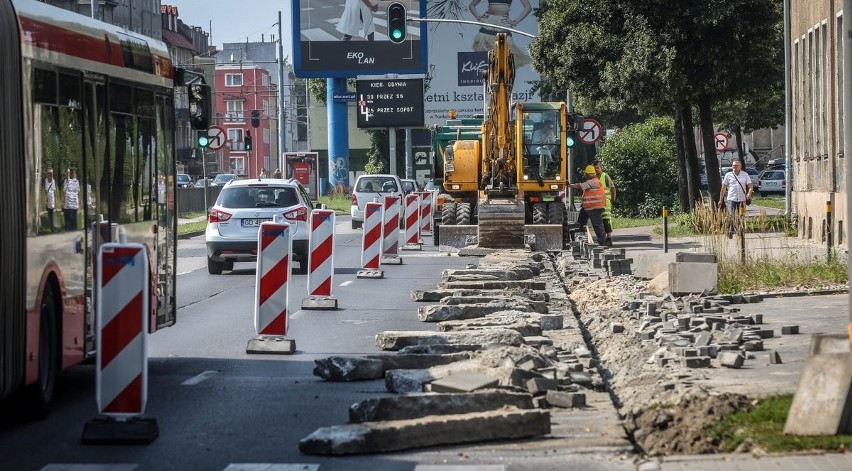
(612, 260)
(694, 330)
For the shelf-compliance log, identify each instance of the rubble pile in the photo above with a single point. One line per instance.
(489, 335)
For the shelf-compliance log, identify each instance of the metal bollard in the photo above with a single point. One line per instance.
(828, 241)
(665, 229)
(742, 223)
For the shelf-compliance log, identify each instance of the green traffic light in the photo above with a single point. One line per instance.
(397, 34)
(203, 141)
(570, 141)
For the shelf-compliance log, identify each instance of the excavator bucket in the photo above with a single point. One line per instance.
(501, 224)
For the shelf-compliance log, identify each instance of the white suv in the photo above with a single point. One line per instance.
(369, 188)
(241, 207)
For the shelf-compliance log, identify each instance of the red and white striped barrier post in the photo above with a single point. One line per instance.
(425, 212)
(412, 222)
(390, 241)
(121, 374)
(371, 246)
(271, 294)
(320, 261)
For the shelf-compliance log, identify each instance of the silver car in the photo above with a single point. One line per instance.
(234, 221)
(372, 188)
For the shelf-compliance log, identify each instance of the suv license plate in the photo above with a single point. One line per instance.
(254, 222)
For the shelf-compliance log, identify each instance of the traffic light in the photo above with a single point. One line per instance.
(203, 139)
(199, 105)
(247, 140)
(255, 118)
(571, 140)
(575, 121)
(396, 22)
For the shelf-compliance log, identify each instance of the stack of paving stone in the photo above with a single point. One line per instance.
(693, 330)
(487, 370)
(612, 260)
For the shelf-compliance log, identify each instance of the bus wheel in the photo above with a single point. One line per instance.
(40, 394)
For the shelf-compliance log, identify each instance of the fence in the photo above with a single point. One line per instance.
(192, 199)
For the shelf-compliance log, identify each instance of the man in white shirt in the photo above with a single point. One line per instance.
(50, 197)
(736, 189)
(71, 191)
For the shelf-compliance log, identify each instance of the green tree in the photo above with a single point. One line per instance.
(641, 159)
(660, 57)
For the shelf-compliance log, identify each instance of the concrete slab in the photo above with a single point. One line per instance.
(272, 345)
(546, 237)
(463, 382)
(395, 435)
(822, 404)
(457, 236)
(395, 340)
(339, 368)
(412, 406)
(648, 265)
(319, 304)
(370, 274)
(412, 247)
(695, 257)
(690, 277)
(391, 260)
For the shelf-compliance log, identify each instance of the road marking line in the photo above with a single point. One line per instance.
(346, 283)
(272, 467)
(198, 378)
(297, 314)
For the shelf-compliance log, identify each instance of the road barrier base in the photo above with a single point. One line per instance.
(416, 246)
(366, 273)
(391, 260)
(112, 431)
(319, 304)
(272, 345)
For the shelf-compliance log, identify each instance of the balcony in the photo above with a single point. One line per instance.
(235, 117)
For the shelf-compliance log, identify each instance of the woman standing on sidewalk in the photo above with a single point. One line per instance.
(737, 186)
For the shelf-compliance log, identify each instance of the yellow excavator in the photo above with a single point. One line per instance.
(509, 180)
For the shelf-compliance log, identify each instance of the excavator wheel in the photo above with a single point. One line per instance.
(463, 216)
(555, 213)
(539, 213)
(448, 214)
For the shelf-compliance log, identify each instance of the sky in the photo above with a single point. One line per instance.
(234, 21)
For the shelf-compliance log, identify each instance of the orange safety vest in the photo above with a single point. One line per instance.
(595, 199)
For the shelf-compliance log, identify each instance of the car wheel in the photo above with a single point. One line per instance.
(436, 233)
(214, 267)
(356, 224)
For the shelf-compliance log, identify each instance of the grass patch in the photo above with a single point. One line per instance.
(191, 227)
(763, 427)
(339, 203)
(192, 214)
(769, 201)
(622, 222)
(765, 273)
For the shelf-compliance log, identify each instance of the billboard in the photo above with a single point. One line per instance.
(394, 103)
(458, 54)
(347, 38)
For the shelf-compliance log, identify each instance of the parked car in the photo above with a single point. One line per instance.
(432, 186)
(202, 182)
(370, 187)
(754, 174)
(771, 181)
(222, 179)
(234, 220)
(408, 186)
(184, 181)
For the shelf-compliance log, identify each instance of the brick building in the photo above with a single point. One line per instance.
(241, 89)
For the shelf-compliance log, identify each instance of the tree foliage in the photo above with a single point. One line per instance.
(641, 159)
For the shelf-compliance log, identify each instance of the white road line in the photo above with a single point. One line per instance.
(272, 467)
(346, 283)
(198, 378)
(297, 314)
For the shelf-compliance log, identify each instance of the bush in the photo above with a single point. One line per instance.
(642, 161)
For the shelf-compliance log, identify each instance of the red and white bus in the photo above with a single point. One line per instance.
(86, 152)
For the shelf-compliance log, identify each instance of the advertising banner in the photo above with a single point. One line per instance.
(458, 54)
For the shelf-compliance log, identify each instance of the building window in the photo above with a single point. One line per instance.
(235, 136)
(266, 135)
(234, 110)
(233, 80)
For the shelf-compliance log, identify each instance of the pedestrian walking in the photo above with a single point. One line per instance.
(737, 190)
(610, 191)
(50, 197)
(71, 191)
(594, 203)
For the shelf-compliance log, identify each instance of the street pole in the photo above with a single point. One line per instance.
(846, 34)
(281, 124)
(409, 156)
(204, 175)
(392, 150)
(788, 125)
(569, 108)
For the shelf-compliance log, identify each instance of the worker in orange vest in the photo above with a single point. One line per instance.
(594, 203)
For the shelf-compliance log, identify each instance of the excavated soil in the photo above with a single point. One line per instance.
(663, 408)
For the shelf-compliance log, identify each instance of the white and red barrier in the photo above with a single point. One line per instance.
(390, 244)
(371, 247)
(412, 219)
(321, 255)
(425, 212)
(122, 315)
(274, 246)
